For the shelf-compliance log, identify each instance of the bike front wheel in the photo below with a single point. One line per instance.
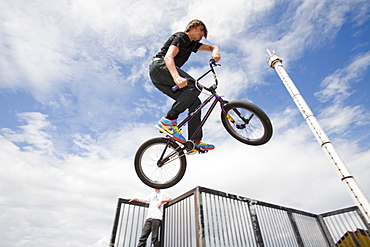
(160, 163)
(246, 122)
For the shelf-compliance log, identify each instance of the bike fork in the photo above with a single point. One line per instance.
(245, 120)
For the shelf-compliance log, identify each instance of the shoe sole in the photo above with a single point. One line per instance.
(206, 149)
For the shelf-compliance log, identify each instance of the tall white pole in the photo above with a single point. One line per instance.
(357, 195)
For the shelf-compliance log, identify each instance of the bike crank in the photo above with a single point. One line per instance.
(189, 145)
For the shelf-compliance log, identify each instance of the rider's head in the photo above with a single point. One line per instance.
(194, 24)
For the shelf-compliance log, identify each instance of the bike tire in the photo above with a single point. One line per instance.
(256, 131)
(154, 175)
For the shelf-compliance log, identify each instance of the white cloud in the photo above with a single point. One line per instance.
(47, 196)
(33, 133)
(312, 24)
(339, 119)
(338, 86)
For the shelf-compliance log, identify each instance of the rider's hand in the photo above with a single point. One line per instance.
(181, 82)
(216, 55)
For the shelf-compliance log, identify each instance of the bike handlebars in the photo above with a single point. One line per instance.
(212, 64)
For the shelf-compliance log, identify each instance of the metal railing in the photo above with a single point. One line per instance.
(205, 217)
(347, 227)
(128, 223)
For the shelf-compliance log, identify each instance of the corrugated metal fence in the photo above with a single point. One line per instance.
(204, 217)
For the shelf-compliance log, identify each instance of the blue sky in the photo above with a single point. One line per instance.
(76, 102)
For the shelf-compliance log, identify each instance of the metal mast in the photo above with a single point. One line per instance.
(357, 195)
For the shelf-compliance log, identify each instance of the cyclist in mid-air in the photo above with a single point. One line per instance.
(165, 72)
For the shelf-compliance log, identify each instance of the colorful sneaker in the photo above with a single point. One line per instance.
(170, 128)
(203, 146)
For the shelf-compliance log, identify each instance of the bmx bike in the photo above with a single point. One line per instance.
(161, 162)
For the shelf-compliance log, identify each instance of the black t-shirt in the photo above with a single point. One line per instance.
(181, 40)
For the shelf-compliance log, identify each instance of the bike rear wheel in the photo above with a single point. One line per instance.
(160, 163)
(247, 123)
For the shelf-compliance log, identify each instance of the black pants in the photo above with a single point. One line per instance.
(150, 226)
(185, 98)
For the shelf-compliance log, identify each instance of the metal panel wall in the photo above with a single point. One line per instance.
(347, 225)
(179, 223)
(129, 221)
(227, 222)
(311, 232)
(204, 217)
(276, 227)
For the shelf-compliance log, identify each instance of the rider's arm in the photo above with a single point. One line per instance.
(169, 60)
(214, 49)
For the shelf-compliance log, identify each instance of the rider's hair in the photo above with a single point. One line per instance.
(196, 23)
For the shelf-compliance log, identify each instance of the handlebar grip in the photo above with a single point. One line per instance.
(176, 87)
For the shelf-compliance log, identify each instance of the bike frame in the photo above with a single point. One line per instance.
(214, 96)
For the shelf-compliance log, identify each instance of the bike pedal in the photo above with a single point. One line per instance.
(195, 151)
